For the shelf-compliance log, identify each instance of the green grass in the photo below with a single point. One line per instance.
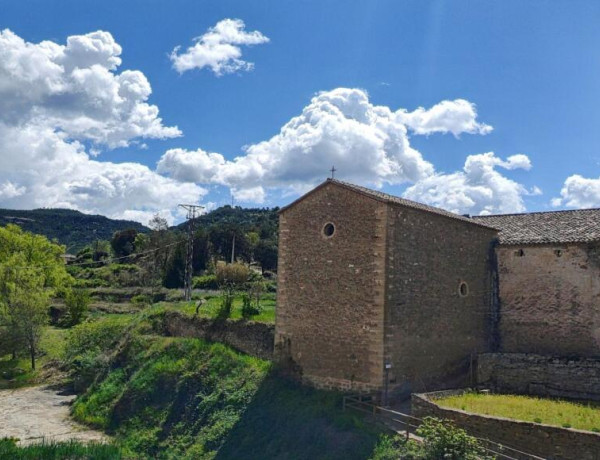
(58, 451)
(167, 397)
(527, 408)
(15, 373)
(210, 309)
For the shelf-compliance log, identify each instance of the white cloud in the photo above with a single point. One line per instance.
(579, 192)
(74, 88)
(456, 117)
(219, 49)
(56, 99)
(367, 143)
(478, 189)
(10, 190)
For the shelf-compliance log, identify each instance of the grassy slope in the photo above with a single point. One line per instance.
(527, 408)
(185, 398)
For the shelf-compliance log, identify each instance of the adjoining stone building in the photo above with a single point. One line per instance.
(371, 285)
(376, 290)
(549, 277)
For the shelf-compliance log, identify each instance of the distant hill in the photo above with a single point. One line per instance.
(72, 228)
(75, 229)
(260, 220)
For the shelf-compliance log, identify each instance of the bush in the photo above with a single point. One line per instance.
(77, 302)
(206, 282)
(248, 309)
(441, 439)
(226, 306)
(141, 299)
(234, 274)
(87, 348)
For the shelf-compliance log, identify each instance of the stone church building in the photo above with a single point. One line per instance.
(375, 290)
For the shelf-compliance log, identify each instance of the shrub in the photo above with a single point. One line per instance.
(87, 348)
(441, 439)
(206, 282)
(77, 302)
(226, 306)
(141, 299)
(248, 309)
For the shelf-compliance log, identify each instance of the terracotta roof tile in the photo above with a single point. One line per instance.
(576, 226)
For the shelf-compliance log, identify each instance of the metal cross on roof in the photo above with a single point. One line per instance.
(333, 170)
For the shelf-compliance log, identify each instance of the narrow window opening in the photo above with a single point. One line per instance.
(328, 229)
(463, 289)
(520, 253)
(558, 252)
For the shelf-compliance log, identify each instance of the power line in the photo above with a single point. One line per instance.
(193, 211)
(103, 261)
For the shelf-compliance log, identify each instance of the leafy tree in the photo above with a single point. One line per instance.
(230, 277)
(157, 248)
(223, 237)
(31, 271)
(123, 242)
(77, 302)
(265, 254)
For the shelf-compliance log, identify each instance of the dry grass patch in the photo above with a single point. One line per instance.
(528, 408)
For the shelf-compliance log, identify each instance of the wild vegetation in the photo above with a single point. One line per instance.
(49, 450)
(169, 397)
(73, 229)
(528, 408)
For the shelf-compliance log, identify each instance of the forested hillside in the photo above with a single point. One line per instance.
(72, 228)
(76, 230)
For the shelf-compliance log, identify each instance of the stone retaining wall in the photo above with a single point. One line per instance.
(543, 440)
(249, 337)
(523, 373)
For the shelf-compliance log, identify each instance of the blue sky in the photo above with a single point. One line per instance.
(529, 69)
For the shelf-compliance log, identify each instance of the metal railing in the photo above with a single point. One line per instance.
(408, 424)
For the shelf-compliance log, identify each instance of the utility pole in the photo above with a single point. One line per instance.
(193, 211)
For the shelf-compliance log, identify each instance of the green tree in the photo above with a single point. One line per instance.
(123, 242)
(265, 254)
(31, 271)
(77, 302)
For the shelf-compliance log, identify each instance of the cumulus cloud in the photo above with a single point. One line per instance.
(219, 49)
(341, 127)
(60, 105)
(579, 192)
(478, 189)
(456, 117)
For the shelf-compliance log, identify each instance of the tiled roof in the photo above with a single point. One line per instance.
(577, 226)
(408, 203)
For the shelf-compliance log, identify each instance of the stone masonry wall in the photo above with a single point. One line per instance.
(249, 337)
(329, 324)
(542, 440)
(432, 330)
(521, 373)
(550, 299)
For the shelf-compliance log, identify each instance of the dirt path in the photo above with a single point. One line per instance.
(31, 414)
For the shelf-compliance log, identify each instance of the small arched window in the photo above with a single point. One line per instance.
(463, 289)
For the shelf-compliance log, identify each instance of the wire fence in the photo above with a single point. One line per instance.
(408, 424)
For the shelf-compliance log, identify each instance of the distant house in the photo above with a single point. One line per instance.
(376, 290)
(68, 258)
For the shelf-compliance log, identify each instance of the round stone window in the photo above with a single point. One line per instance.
(463, 289)
(328, 230)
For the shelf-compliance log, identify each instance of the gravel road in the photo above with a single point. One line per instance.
(31, 414)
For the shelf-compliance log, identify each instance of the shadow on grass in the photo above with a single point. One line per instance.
(288, 421)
